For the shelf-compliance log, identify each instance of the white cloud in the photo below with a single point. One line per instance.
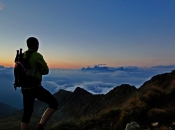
(96, 87)
(103, 82)
(52, 86)
(1, 6)
(119, 73)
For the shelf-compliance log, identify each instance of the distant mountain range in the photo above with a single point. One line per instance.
(154, 101)
(99, 68)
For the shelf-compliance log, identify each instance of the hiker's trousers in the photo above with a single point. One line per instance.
(29, 96)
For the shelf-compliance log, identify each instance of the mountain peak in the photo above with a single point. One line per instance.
(123, 89)
(81, 91)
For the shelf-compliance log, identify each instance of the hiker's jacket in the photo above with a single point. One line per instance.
(37, 63)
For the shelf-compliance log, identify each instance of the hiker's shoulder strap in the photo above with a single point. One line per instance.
(27, 54)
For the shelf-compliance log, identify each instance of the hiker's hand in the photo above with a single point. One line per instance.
(16, 85)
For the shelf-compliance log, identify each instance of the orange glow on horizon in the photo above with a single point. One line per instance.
(51, 65)
(66, 65)
(6, 64)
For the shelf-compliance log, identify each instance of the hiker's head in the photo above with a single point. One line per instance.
(32, 43)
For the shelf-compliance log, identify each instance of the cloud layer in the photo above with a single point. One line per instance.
(101, 82)
(94, 82)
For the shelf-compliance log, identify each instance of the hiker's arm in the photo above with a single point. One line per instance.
(43, 68)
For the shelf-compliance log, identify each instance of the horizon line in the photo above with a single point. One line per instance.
(75, 68)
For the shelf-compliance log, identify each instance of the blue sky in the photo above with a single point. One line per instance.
(78, 33)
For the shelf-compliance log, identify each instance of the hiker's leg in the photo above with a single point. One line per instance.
(47, 97)
(24, 126)
(46, 115)
(28, 101)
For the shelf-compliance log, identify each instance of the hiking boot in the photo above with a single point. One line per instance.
(40, 127)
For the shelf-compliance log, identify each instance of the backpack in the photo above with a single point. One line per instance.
(24, 76)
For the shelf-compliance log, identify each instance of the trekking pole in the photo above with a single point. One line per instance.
(16, 60)
(20, 55)
(17, 56)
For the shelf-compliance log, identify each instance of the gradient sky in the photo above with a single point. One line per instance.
(78, 33)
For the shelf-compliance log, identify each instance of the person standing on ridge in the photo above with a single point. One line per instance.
(30, 93)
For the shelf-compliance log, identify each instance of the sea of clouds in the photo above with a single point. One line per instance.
(92, 81)
(101, 82)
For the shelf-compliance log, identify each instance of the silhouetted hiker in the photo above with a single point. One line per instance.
(37, 63)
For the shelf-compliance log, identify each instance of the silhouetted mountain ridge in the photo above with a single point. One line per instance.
(122, 90)
(82, 104)
(161, 80)
(81, 92)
